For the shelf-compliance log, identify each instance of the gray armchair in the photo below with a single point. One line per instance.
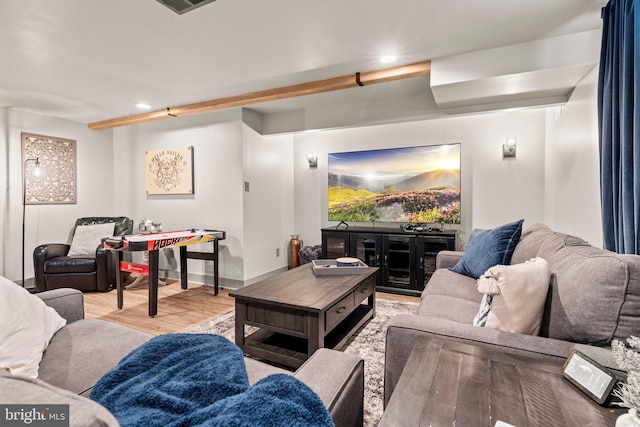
(54, 269)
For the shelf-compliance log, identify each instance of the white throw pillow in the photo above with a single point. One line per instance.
(514, 297)
(26, 327)
(88, 237)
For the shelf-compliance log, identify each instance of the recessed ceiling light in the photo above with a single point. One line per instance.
(388, 58)
(143, 105)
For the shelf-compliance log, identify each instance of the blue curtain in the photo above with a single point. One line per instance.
(619, 126)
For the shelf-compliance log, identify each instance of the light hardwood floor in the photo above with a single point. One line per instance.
(178, 310)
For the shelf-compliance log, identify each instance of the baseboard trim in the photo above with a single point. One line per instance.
(225, 283)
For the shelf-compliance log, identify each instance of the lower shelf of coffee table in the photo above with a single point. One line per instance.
(291, 351)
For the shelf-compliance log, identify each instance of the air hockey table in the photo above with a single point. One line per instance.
(153, 243)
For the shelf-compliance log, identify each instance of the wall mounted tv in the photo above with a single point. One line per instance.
(412, 184)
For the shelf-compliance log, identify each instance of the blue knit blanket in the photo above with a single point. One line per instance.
(201, 380)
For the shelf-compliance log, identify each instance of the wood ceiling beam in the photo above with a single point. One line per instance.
(275, 94)
(130, 120)
(318, 86)
(396, 73)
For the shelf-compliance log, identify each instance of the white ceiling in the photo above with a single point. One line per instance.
(91, 60)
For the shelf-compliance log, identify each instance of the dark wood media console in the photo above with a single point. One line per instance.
(406, 259)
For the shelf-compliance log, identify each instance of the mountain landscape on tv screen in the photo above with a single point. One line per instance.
(430, 197)
(433, 179)
(392, 195)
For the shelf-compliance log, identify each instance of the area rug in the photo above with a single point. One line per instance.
(368, 343)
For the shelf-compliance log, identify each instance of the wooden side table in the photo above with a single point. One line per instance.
(445, 383)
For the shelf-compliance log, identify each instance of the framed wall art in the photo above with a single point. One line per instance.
(169, 171)
(49, 169)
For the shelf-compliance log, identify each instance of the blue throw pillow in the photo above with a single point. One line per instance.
(487, 248)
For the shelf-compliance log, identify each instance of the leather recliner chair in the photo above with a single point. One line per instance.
(54, 269)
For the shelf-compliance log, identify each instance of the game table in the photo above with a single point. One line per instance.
(153, 243)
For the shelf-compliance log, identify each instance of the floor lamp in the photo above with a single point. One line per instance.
(36, 172)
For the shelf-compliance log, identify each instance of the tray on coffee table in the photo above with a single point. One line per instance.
(329, 267)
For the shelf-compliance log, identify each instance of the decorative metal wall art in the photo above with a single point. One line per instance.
(169, 171)
(56, 158)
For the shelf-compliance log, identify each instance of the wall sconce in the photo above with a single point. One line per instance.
(313, 160)
(509, 149)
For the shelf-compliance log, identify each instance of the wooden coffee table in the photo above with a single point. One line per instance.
(297, 313)
(446, 383)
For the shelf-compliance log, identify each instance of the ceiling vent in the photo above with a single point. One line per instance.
(184, 6)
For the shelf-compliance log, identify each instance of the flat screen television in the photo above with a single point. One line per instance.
(410, 185)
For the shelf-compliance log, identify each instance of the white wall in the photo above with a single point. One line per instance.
(572, 190)
(217, 200)
(51, 223)
(494, 190)
(268, 205)
(5, 204)
(226, 154)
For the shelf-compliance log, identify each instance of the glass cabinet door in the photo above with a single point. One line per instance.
(335, 245)
(399, 255)
(428, 248)
(366, 247)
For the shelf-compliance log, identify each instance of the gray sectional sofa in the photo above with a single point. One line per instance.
(81, 352)
(593, 298)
